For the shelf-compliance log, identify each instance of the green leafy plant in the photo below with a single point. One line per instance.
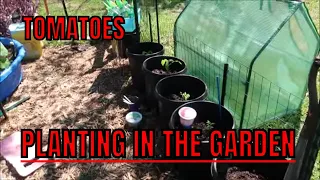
(166, 63)
(209, 125)
(185, 95)
(4, 61)
(146, 52)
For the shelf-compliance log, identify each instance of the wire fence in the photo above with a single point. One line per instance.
(267, 106)
(265, 100)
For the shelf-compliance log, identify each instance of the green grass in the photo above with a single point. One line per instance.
(314, 8)
(316, 169)
(74, 8)
(167, 19)
(166, 27)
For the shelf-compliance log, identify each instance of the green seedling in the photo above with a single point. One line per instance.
(146, 52)
(166, 63)
(185, 95)
(209, 125)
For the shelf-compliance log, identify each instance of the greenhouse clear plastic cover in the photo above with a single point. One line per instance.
(268, 45)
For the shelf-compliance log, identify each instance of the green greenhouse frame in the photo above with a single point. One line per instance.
(269, 47)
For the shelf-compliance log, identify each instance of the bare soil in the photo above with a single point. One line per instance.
(175, 97)
(205, 131)
(234, 173)
(67, 92)
(201, 126)
(162, 72)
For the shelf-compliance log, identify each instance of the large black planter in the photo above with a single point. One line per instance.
(206, 110)
(151, 78)
(136, 59)
(194, 86)
(272, 171)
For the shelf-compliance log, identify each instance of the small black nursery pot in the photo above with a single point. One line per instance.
(157, 67)
(258, 171)
(207, 119)
(174, 91)
(137, 54)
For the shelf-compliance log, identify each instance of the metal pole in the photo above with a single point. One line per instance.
(224, 83)
(64, 8)
(136, 15)
(157, 19)
(150, 25)
(66, 13)
(46, 7)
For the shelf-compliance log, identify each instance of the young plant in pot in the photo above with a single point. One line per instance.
(137, 54)
(256, 171)
(203, 115)
(173, 91)
(158, 67)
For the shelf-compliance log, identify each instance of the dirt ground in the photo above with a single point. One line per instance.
(66, 92)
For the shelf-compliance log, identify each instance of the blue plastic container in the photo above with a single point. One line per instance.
(130, 25)
(11, 77)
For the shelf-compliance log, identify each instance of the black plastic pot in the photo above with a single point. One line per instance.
(151, 78)
(206, 110)
(136, 59)
(194, 86)
(128, 41)
(272, 171)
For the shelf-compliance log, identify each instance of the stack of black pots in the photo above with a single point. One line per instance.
(156, 83)
(153, 80)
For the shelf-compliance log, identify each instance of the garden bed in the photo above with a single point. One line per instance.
(66, 93)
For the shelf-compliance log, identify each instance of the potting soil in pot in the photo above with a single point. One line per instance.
(249, 171)
(156, 68)
(175, 97)
(206, 129)
(235, 173)
(165, 70)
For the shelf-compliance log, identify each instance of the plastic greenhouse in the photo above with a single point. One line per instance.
(268, 45)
